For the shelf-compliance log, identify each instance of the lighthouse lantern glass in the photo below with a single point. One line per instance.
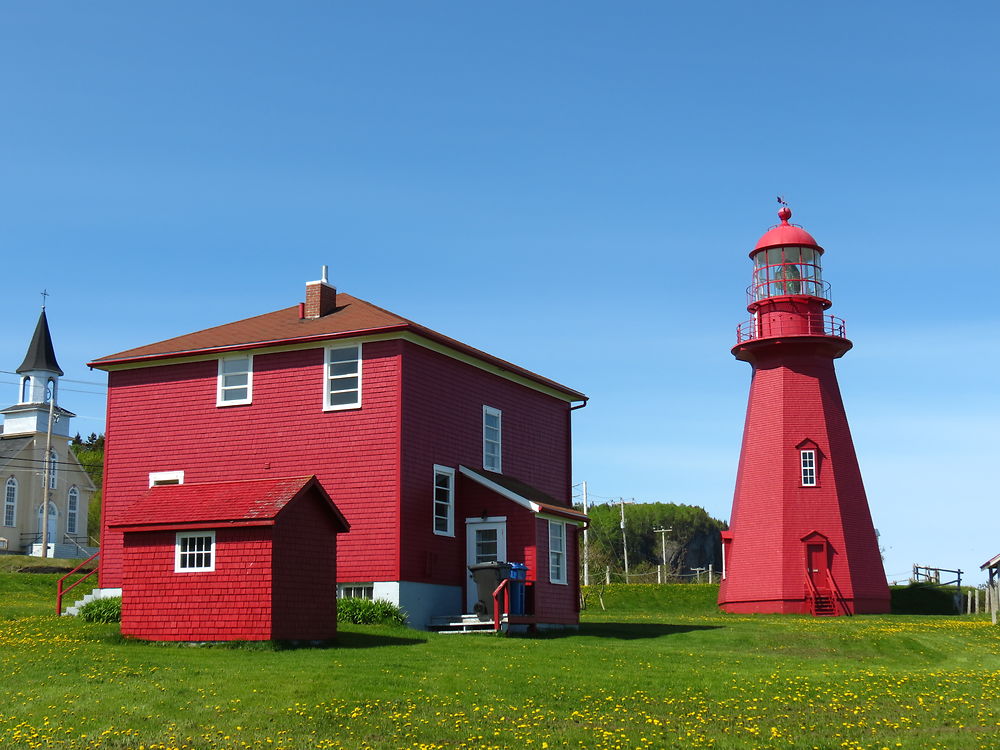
(785, 270)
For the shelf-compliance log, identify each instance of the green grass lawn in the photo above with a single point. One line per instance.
(659, 668)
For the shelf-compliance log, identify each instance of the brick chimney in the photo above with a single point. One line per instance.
(321, 297)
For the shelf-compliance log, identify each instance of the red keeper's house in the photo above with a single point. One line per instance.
(438, 455)
(245, 560)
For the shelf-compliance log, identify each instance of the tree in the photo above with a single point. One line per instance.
(90, 454)
(694, 541)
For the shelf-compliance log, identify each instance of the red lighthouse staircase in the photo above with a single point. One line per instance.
(801, 537)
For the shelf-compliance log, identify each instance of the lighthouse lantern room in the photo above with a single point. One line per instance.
(801, 537)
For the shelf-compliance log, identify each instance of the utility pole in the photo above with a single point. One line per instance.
(663, 548)
(624, 542)
(49, 468)
(586, 545)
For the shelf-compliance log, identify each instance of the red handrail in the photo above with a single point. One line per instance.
(505, 590)
(811, 592)
(60, 591)
(836, 590)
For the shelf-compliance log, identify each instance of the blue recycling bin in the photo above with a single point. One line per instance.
(518, 576)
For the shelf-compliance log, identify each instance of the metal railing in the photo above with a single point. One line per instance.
(837, 595)
(805, 287)
(501, 591)
(807, 324)
(62, 591)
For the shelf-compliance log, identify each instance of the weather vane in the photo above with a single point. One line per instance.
(782, 201)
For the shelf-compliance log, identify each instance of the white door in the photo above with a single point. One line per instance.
(486, 541)
(52, 523)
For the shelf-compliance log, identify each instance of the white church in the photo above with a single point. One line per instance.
(45, 492)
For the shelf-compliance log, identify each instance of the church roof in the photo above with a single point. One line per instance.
(41, 354)
(11, 447)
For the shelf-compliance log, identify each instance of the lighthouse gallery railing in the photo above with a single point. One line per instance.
(809, 324)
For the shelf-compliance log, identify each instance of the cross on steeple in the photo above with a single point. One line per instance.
(45, 294)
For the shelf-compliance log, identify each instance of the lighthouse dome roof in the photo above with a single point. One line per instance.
(785, 234)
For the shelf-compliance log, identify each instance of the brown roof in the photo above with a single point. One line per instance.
(545, 502)
(353, 317)
(241, 502)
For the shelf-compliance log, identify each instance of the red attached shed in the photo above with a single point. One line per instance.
(241, 560)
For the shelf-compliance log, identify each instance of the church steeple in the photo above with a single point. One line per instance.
(41, 354)
(40, 373)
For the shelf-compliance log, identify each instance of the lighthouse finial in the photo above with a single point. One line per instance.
(784, 213)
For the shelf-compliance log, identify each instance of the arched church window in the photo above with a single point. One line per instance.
(10, 503)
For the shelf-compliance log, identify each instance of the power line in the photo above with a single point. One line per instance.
(64, 380)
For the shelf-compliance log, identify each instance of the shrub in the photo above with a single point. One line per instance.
(102, 610)
(369, 612)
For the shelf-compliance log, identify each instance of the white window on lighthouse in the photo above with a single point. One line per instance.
(808, 463)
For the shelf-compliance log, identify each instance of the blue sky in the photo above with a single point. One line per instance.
(570, 185)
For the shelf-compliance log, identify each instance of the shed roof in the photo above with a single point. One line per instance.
(352, 317)
(523, 494)
(246, 502)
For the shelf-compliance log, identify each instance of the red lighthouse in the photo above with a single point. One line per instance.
(801, 537)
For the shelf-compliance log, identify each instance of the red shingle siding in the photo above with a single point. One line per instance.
(556, 602)
(305, 572)
(794, 397)
(233, 602)
(165, 418)
(442, 411)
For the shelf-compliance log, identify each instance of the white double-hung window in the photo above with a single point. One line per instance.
(491, 439)
(235, 380)
(194, 551)
(557, 552)
(343, 377)
(808, 462)
(444, 501)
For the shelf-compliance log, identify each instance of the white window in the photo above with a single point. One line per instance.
(51, 469)
(158, 478)
(356, 591)
(72, 509)
(194, 551)
(235, 380)
(10, 503)
(557, 552)
(343, 377)
(444, 501)
(491, 439)
(25, 390)
(808, 459)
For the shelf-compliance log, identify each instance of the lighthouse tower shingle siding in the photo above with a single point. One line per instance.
(801, 537)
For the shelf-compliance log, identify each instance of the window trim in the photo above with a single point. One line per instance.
(350, 591)
(356, 404)
(72, 509)
(10, 502)
(178, 554)
(220, 386)
(562, 578)
(160, 478)
(807, 467)
(493, 412)
(450, 516)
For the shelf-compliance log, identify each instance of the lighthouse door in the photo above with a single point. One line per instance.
(816, 563)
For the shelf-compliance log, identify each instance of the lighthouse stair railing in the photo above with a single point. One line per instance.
(819, 603)
(845, 607)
